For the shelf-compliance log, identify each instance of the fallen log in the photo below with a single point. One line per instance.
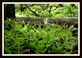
(67, 21)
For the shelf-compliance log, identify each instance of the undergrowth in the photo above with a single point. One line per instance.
(38, 38)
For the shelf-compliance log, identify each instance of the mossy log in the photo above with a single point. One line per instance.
(67, 21)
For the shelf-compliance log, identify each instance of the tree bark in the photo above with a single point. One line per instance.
(9, 11)
(68, 21)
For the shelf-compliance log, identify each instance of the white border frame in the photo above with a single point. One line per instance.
(40, 54)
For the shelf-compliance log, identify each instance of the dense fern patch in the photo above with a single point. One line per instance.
(29, 38)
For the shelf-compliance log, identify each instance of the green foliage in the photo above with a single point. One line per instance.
(38, 38)
(48, 10)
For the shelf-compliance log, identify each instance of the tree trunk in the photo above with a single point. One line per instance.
(9, 11)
